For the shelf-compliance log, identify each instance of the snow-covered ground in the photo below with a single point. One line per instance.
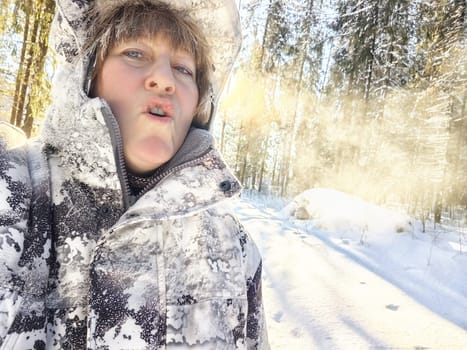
(357, 276)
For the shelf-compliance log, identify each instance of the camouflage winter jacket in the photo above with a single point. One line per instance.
(84, 265)
(79, 270)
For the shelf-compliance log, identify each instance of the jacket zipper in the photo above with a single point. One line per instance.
(117, 145)
(174, 169)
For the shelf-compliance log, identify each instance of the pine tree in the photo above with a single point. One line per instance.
(31, 20)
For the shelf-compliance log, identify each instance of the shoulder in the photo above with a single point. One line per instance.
(13, 157)
(228, 225)
(22, 162)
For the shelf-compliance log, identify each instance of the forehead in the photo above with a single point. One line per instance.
(134, 25)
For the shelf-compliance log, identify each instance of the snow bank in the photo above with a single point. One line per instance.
(11, 135)
(331, 210)
(343, 289)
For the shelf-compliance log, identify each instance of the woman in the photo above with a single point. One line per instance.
(116, 231)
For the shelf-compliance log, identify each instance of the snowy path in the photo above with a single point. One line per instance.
(317, 298)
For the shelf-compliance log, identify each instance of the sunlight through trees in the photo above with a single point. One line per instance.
(364, 96)
(367, 97)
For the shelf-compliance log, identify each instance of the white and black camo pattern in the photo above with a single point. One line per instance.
(176, 269)
(79, 269)
(25, 246)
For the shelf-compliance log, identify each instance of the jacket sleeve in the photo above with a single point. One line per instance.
(25, 245)
(256, 331)
(256, 324)
(15, 192)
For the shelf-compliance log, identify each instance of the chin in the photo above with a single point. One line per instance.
(146, 163)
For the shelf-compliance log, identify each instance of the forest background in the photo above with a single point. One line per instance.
(363, 96)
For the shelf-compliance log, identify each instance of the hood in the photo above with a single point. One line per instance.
(220, 23)
(75, 122)
(218, 20)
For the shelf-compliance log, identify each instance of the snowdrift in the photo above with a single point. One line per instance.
(331, 210)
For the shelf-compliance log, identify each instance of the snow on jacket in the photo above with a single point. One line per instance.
(84, 265)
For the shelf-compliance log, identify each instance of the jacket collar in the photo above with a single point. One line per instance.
(195, 179)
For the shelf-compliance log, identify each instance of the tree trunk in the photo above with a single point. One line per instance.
(259, 65)
(44, 17)
(370, 62)
(15, 110)
(224, 123)
(261, 173)
(302, 60)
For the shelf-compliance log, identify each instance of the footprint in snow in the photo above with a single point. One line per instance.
(278, 316)
(296, 332)
(392, 307)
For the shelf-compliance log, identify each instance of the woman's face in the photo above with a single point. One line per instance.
(151, 89)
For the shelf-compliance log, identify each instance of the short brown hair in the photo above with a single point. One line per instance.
(143, 18)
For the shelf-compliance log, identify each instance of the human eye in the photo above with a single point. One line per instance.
(133, 54)
(184, 70)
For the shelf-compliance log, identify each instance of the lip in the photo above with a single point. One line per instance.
(166, 106)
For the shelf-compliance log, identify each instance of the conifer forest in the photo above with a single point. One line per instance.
(363, 96)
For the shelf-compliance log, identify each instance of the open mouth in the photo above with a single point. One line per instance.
(159, 109)
(157, 112)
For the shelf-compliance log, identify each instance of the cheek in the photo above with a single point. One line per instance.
(191, 99)
(111, 87)
(113, 82)
(115, 91)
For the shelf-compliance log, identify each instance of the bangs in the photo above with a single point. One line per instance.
(144, 24)
(146, 21)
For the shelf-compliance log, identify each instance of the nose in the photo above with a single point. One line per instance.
(160, 78)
